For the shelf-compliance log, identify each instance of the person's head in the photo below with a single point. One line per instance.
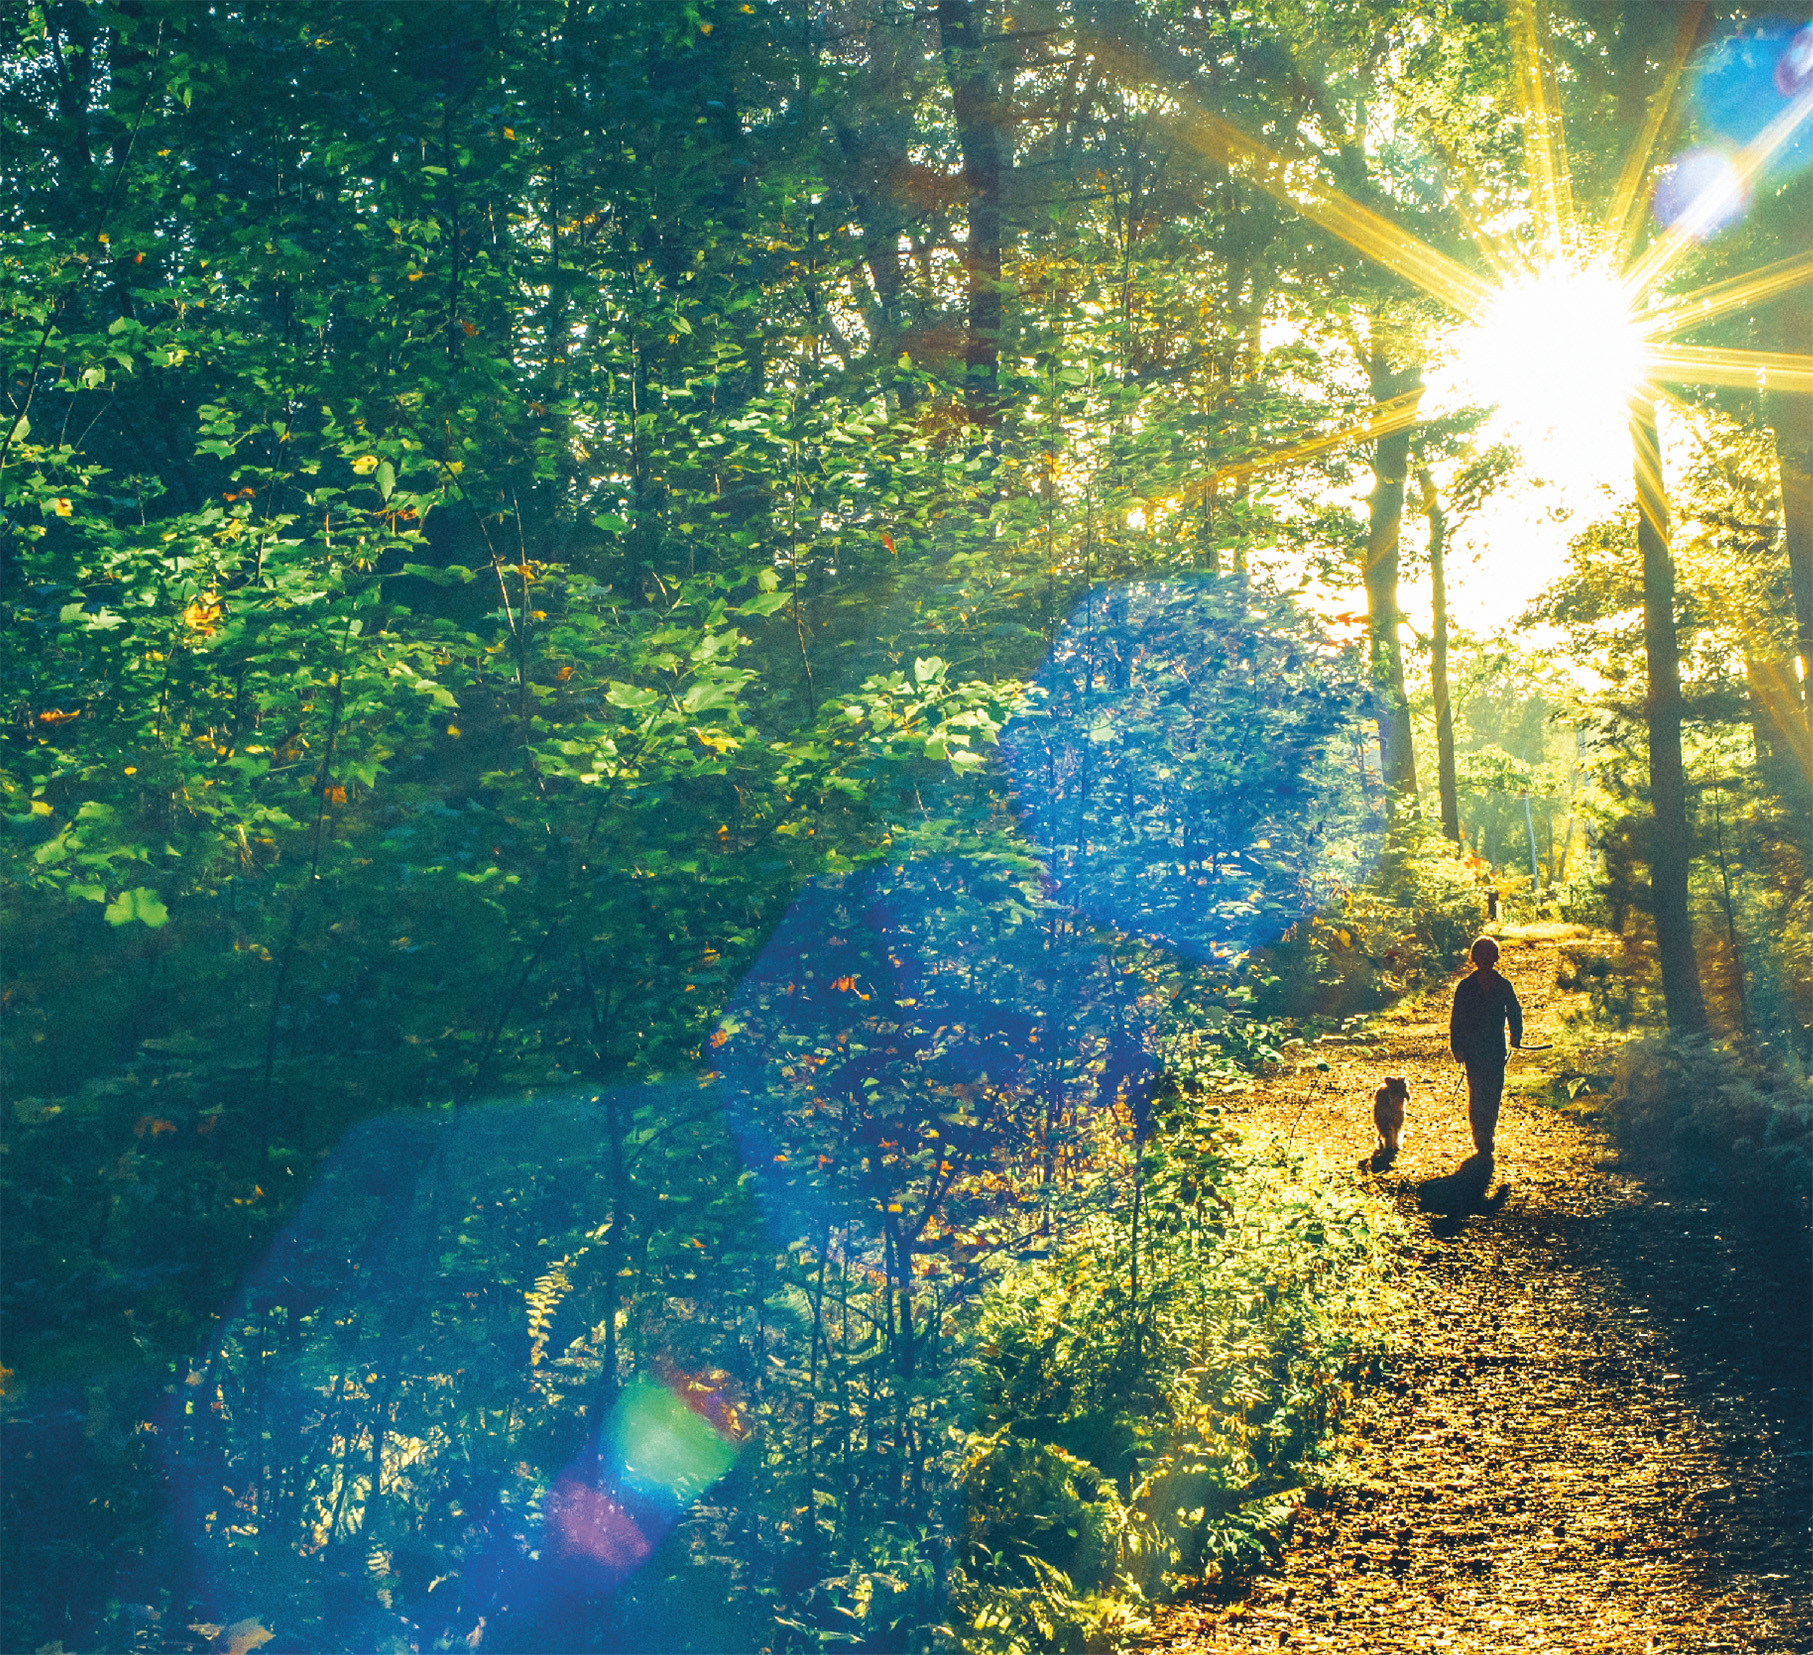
(1484, 953)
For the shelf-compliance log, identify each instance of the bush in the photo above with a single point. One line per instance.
(1132, 1437)
(1411, 922)
(1710, 1118)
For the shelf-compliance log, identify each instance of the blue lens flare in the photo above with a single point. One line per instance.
(1701, 192)
(898, 1022)
(1192, 766)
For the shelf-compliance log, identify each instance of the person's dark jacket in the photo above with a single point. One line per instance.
(1483, 1004)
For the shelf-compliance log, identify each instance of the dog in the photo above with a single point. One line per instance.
(1388, 1105)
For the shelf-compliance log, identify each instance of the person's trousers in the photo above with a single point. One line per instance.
(1485, 1091)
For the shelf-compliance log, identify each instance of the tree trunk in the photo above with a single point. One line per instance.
(1390, 465)
(1669, 847)
(1792, 417)
(1438, 658)
(977, 109)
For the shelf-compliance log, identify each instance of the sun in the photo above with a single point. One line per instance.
(1566, 331)
(1557, 354)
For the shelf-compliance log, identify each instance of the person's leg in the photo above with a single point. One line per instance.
(1485, 1088)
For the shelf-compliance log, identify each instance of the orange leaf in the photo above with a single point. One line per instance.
(335, 795)
(564, 674)
(52, 716)
(203, 613)
(153, 1125)
(887, 540)
(241, 1638)
(844, 985)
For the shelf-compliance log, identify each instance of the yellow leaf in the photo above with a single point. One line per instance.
(203, 613)
(365, 464)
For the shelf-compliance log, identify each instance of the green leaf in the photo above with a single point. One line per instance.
(386, 479)
(140, 904)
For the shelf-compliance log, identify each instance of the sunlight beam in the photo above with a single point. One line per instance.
(1376, 421)
(1623, 220)
(1505, 257)
(1369, 233)
(1706, 304)
(1741, 370)
(1687, 233)
(1545, 148)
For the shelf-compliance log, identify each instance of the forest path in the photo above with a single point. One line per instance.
(1595, 1432)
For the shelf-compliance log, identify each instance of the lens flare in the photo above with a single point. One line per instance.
(1701, 193)
(1558, 354)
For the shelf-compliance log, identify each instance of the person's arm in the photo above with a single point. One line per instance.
(1514, 1012)
(1454, 1024)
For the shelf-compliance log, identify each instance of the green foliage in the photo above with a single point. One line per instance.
(1707, 1118)
(1411, 923)
(1150, 1398)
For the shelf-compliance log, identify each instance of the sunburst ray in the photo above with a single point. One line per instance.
(1376, 421)
(1687, 233)
(1506, 259)
(1707, 304)
(1545, 147)
(1367, 232)
(1741, 370)
(1297, 186)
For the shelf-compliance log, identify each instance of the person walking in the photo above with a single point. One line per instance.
(1484, 1004)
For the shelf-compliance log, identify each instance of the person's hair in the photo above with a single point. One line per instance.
(1484, 952)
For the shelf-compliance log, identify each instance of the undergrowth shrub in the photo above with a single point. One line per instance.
(1710, 1118)
(1150, 1399)
(1407, 925)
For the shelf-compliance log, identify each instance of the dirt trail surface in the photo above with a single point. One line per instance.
(1594, 1434)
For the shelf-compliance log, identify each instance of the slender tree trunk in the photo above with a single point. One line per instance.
(1390, 466)
(976, 105)
(1792, 417)
(1438, 658)
(1733, 942)
(1669, 847)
